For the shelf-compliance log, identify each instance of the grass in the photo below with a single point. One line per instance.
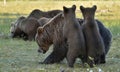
(17, 55)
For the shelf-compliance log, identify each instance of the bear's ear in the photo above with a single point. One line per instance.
(74, 7)
(82, 8)
(62, 15)
(40, 30)
(94, 7)
(65, 9)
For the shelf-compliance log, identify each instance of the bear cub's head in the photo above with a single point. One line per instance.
(88, 13)
(69, 12)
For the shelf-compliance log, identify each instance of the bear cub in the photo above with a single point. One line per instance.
(73, 35)
(94, 41)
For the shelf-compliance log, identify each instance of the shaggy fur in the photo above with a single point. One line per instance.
(28, 27)
(51, 33)
(43, 20)
(36, 14)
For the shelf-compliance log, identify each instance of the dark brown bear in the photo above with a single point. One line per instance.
(73, 35)
(51, 33)
(94, 41)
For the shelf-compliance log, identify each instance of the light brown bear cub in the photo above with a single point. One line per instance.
(94, 41)
(73, 35)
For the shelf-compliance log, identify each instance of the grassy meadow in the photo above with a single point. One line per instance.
(17, 55)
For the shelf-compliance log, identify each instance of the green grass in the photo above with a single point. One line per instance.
(17, 55)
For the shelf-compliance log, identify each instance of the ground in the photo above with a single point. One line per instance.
(17, 55)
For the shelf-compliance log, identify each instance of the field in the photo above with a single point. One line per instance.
(17, 55)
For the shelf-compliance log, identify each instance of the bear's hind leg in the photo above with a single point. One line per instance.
(71, 57)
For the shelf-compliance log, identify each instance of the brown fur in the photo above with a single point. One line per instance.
(43, 20)
(29, 26)
(47, 33)
(51, 33)
(26, 26)
(73, 35)
(94, 42)
(36, 13)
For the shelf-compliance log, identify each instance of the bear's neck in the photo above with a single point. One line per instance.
(70, 19)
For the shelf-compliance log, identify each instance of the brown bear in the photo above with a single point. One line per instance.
(51, 33)
(36, 13)
(45, 39)
(72, 32)
(15, 31)
(25, 26)
(94, 41)
(43, 20)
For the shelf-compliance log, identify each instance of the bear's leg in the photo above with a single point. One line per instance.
(71, 57)
(102, 59)
(58, 54)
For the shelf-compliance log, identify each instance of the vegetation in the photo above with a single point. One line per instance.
(17, 55)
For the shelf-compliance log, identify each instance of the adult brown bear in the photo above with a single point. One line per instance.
(94, 41)
(52, 33)
(37, 14)
(45, 39)
(43, 20)
(16, 31)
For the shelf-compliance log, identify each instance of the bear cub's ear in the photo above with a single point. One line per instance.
(65, 9)
(74, 7)
(81, 8)
(94, 7)
(40, 30)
